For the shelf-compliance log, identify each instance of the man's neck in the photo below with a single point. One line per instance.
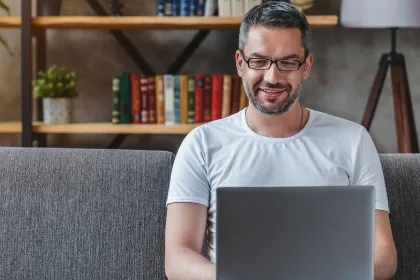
(277, 126)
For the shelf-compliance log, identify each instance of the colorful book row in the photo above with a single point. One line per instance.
(186, 7)
(222, 8)
(175, 99)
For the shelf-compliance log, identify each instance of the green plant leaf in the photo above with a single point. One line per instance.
(5, 7)
(54, 83)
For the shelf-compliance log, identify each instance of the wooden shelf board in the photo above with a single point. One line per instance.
(10, 22)
(99, 128)
(147, 22)
(109, 128)
(155, 22)
(10, 127)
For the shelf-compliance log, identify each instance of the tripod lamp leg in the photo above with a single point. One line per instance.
(375, 92)
(404, 121)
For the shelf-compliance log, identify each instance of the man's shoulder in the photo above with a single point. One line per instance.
(217, 129)
(336, 124)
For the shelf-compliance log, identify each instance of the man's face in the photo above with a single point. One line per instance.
(273, 91)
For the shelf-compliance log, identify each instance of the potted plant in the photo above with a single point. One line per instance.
(6, 8)
(57, 88)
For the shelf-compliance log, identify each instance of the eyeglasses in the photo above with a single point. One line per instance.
(265, 63)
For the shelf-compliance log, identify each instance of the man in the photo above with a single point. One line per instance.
(274, 141)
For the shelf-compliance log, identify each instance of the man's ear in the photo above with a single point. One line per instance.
(308, 65)
(238, 62)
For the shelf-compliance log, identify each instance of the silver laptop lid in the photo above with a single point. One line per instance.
(295, 233)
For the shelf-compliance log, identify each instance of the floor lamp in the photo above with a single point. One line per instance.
(392, 15)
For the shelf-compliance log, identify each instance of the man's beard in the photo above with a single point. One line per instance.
(281, 108)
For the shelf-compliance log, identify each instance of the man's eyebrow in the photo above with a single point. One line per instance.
(290, 56)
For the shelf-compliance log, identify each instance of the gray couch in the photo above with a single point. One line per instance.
(100, 214)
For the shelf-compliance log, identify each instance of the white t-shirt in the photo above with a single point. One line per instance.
(226, 152)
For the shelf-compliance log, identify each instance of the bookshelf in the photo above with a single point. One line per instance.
(36, 26)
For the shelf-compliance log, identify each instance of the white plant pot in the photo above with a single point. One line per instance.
(57, 110)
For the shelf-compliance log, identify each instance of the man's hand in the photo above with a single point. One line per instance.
(385, 251)
(185, 228)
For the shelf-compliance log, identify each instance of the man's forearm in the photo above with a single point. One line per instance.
(385, 264)
(186, 264)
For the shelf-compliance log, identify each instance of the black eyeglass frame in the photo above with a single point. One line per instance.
(300, 63)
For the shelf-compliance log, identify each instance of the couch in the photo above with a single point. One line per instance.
(100, 214)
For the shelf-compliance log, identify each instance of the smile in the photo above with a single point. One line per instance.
(272, 93)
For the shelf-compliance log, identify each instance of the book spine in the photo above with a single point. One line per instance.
(177, 97)
(152, 99)
(207, 99)
(116, 100)
(191, 99)
(224, 8)
(169, 99)
(176, 7)
(183, 83)
(135, 99)
(168, 7)
(238, 8)
(161, 7)
(160, 105)
(193, 7)
(185, 8)
(227, 95)
(216, 96)
(236, 92)
(125, 98)
(199, 98)
(200, 7)
(210, 8)
(144, 92)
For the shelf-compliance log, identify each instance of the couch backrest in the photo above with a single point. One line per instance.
(100, 214)
(402, 176)
(82, 214)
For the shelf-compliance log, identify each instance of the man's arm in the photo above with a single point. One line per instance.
(185, 228)
(385, 251)
(368, 171)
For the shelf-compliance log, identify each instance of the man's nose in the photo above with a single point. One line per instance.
(273, 74)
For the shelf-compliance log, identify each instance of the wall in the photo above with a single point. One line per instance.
(345, 65)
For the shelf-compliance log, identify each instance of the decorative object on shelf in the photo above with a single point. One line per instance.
(6, 8)
(57, 88)
(51, 7)
(391, 15)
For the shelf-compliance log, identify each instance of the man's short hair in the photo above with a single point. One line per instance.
(275, 14)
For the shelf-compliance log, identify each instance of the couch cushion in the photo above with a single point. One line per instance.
(82, 214)
(402, 178)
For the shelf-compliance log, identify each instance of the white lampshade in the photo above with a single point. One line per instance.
(380, 13)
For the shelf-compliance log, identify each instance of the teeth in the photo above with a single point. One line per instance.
(272, 91)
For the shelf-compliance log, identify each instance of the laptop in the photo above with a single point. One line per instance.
(295, 233)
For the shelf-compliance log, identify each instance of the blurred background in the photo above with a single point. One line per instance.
(346, 61)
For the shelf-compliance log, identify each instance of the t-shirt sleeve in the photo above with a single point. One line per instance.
(188, 182)
(368, 170)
